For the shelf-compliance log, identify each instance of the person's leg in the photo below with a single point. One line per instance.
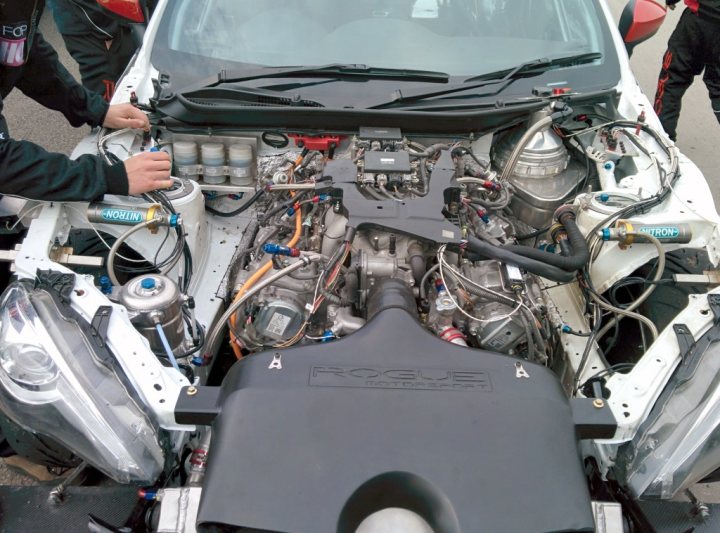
(712, 65)
(681, 63)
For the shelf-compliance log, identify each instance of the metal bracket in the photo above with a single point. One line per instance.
(714, 303)
(58, 282)
(99, 325)
(685, 339)
(708, 277)
(57, 494)
(276, 363)
(520, 371)
(699, 509)
(60, 254)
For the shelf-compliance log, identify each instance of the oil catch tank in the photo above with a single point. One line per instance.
(155, 299)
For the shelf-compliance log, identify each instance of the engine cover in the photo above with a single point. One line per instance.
(391, 416)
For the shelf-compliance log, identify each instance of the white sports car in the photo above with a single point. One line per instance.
(426, 266)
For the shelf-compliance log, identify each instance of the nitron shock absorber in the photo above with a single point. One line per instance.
(99, 213)
(626, 233)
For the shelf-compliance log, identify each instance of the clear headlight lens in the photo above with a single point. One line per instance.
(29, 366)
(679, 443)
(55, 382)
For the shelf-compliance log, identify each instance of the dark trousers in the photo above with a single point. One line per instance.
(693, 47)
(100, 66)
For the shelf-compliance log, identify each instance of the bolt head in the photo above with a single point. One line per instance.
(192, 391)
(598, 403)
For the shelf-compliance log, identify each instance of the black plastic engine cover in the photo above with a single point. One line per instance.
(392, 416)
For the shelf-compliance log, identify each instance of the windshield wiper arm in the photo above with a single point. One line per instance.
(336, 70)
(503, 78)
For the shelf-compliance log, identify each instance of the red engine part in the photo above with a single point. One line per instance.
(321, 143)
(453, 336)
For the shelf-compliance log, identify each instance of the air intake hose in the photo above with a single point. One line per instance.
(391, 294)
(580, 253)
(540, 268)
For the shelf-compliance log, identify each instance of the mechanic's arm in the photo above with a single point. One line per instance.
(29, 171)
(48, 82)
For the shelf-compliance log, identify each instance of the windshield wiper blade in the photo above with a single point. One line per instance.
(336, 70)
(502, 78)
(250, 95)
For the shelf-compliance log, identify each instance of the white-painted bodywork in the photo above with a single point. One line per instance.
(214, 241)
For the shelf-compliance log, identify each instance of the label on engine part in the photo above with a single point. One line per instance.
(278, 324)
(400, 378)
(214, 171)
(239, 172)
(189, 170)
(661, 232)
(122, 215)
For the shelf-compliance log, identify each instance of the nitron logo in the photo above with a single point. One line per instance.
(662, 232)
(120, 215)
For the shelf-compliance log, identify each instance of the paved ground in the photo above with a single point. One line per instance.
(698, 133)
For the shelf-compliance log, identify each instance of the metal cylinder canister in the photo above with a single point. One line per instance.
(625, 232)
(123, 215)
(155, 299)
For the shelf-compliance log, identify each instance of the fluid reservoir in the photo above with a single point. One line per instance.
(213, 160)
(155, 299)
(241, 160)
(186, 159)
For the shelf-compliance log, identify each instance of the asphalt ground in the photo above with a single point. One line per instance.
(698, 136)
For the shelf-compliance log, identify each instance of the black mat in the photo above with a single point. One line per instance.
(676, 517)
(28, 509)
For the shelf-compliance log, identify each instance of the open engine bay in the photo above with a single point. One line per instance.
(550, 241)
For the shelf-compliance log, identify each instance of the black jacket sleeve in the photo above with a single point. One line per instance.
(48, 82)
(29, 171)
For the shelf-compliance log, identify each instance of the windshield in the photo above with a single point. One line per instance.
(457, 37)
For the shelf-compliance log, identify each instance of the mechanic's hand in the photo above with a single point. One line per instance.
(148, 171)
(120, 116)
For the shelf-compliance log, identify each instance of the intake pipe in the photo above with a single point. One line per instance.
(580, 254)
(540, 268)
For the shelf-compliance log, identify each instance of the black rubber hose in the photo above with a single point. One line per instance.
(255, 197)
(539, 268)
(416, 258)
(284, 206)
(580, 253)
(533, 234)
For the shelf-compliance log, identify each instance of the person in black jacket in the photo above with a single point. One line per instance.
(29, 63)
(99, 42)
(693, 47)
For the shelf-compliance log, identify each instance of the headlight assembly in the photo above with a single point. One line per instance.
(679, 443)
(55, 381)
